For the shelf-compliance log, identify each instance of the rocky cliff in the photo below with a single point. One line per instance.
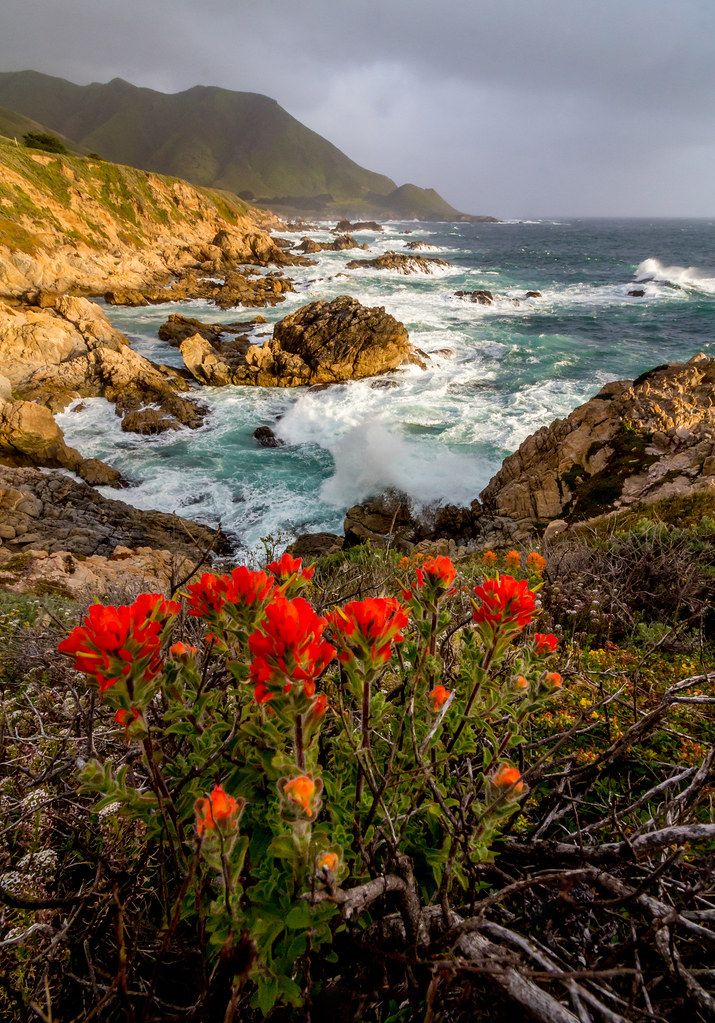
(70, 223)
(634, 443)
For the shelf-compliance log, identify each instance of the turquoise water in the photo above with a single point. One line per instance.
(495, 373)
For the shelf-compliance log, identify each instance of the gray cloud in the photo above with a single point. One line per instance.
(518, 107)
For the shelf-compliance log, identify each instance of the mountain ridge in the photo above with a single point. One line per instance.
(242, 142)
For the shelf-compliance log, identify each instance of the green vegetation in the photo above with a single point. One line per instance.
(403, 871)
(37, 187)
(45, 141)
(239, 141)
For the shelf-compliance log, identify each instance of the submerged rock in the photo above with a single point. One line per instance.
(323, 342)
(401, 262)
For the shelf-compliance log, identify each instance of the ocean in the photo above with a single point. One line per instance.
(495, 373)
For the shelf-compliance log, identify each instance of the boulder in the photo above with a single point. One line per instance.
(420, 246)
(311, 546)
(399, 262)
(533, 294)
(266, 438)
(480, 297)
(345, 227)
(636, 292)
(323, 342)
(342, 242)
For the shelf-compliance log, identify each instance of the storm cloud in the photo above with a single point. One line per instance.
(520, 108)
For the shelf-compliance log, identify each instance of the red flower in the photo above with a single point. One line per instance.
(217, 811)
(545, 642)
(553, 679)
(504, 601)
(289, 648)
(439, 696)
(213, 594)
(320, 706)
(367, 629)
(289, 572)
(113, 642)
(439, 571)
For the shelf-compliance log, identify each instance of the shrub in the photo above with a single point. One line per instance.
(45, 141)
(290, 752)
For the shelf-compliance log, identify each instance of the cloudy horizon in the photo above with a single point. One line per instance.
(571, 108)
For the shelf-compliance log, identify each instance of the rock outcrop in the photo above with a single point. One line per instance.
(52, 512)
(246, 288)
(479, 297)
(345, 226)
(635, 441)
(60, 348)
(29, 435)
(321, 343)
(91, 226)
(399, 262)
(342, 242)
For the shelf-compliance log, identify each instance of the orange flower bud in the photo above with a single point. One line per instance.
(439, 696)
(301, 791)
(217, 811)
(536, 563)
(512, 558)
(521, 682)
(183, 651)
(553, 679)
(328, 862)
(508, 778)
(489, 556)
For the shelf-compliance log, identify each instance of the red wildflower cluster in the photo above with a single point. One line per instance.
(213, 594)
(289, 648)
(218, 811)
(545, 643)
(366, 630)
(504, 602)
(290, 574)
(121, 643)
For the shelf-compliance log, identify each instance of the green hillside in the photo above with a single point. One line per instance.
(240, 141)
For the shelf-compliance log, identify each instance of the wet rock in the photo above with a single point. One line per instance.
(481, 297)
(342, 242)
(266, 438)
(533, 294)
(637, 292)
(321, 343)
(400, 262)
(149, 421)
(345, 226)
(50, 511)
(177, 328)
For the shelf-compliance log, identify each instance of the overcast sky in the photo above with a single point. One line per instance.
(514, 107)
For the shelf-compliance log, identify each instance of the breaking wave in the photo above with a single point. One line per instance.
(687, 277)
